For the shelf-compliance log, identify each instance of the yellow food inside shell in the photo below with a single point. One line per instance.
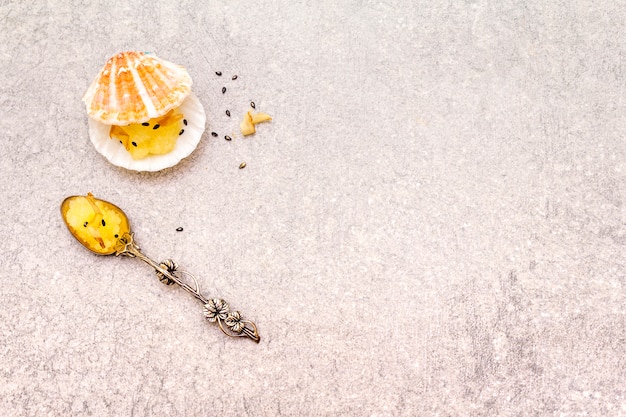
(155, 137)
(95, 223)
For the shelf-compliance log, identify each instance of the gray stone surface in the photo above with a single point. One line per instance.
(433, 223)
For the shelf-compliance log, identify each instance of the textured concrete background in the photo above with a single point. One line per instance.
(433, 224)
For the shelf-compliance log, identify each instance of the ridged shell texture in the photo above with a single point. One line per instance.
(134, 87)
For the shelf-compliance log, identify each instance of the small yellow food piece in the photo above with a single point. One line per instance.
(95, 223)
(155, 137)
(249, 121)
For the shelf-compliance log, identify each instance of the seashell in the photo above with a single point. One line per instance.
(115, 152)
(134, 87)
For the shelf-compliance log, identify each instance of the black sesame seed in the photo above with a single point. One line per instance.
(223, 90)
(156, 126)
(85, 224)
(103, 223)
(228, 137)
(234, 77)
(228, 113)
(179, 229)
(218, 73)
(121, 142)
(185, 122)
(116, 236)
(252, 105)
(145, 124)
(134, 144)
(214, 134)
(181, 132)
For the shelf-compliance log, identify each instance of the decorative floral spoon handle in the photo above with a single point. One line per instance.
(215, 309)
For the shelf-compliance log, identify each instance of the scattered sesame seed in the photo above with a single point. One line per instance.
(116, 236)
(252, 105)
(228, 113)
(145, 124)
(223, 90)
(181, 132)
(218, 73)
(228, 137)
(103, 223)
(234, 77)
(134, 144)
(185, 122)
(242, 165)
(85, 224)
(179, 229)
(214, 134)
(156, 126)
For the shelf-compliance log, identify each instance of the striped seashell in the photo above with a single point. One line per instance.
(134, 87)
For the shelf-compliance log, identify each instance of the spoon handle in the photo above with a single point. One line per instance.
(215, 310)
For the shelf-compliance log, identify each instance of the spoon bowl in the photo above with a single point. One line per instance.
(95, 223)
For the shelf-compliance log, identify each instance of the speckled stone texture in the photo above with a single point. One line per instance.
(433, 224)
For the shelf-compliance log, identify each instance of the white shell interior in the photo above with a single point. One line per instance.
(115, 152)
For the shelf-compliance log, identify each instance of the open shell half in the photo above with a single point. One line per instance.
(114, 152)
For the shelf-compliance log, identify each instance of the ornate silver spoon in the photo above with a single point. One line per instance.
(103, 228)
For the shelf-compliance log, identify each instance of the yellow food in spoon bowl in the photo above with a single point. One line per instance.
(95, 223)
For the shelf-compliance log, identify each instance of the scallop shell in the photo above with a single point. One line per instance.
(116, 153)
(134, 87)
